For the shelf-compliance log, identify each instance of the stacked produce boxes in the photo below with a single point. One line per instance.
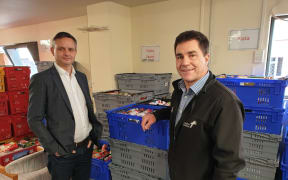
(133, 88)
(145, 88)
(138, 154)
(14, 102)
(108, 100)
(14, 84)
(264, 105)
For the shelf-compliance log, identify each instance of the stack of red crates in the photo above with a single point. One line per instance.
(14, 101)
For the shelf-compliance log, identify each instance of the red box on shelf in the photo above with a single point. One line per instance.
(18, 101)
(5, 127)
(20, 125)
(17, 70)
(17, 78)
(3, 104)
(17, 82)
(7, 157)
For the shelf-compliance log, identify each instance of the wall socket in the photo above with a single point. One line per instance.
(258, 56)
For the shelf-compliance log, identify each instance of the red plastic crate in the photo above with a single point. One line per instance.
(17, 70)
(6, 158)
(3, 104)
(20, 125)
(18, 101)
(5, 127)
(17, 82)
(17, 78)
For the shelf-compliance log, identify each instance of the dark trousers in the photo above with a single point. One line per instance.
(76, 166)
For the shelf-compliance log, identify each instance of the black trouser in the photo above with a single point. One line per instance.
(76, 166)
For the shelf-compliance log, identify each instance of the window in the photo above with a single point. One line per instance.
(24, 54)
(277, 62)
(4, 60)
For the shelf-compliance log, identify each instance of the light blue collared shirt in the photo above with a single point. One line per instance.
(188, 95)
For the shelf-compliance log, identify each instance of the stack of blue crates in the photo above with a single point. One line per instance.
(265, 106)
(137, 154)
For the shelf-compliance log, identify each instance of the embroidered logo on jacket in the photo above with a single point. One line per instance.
(189, 125)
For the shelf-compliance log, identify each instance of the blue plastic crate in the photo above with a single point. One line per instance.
(240, 179)
(263, 93)
(99, 168)
(264, 120)
(128, 128)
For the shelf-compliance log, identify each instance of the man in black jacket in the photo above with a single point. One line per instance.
(206, 118)
(61, 96)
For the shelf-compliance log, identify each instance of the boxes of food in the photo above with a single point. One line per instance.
(116, 98)
(14, 152)
(17, 78)
(125, 124)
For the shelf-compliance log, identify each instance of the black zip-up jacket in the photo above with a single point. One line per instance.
(207, 141)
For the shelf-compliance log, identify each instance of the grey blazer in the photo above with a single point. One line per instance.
(48, 99)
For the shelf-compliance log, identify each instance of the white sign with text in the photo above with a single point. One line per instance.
(243, 39)
(150, 53)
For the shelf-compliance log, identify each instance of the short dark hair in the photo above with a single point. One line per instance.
(61, 35)
(193, 35)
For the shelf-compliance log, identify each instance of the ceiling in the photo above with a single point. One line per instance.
(15, 13)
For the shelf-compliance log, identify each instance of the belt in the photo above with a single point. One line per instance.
(83, 143)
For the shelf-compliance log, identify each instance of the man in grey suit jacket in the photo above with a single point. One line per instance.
(61, 96)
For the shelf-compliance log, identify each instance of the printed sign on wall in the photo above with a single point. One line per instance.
(243, 39)
(150, 53)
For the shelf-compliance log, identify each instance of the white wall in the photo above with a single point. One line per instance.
(230, 15)
(159, 24)
(110, 51)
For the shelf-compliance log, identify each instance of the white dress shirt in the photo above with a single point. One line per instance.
(78, 104)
